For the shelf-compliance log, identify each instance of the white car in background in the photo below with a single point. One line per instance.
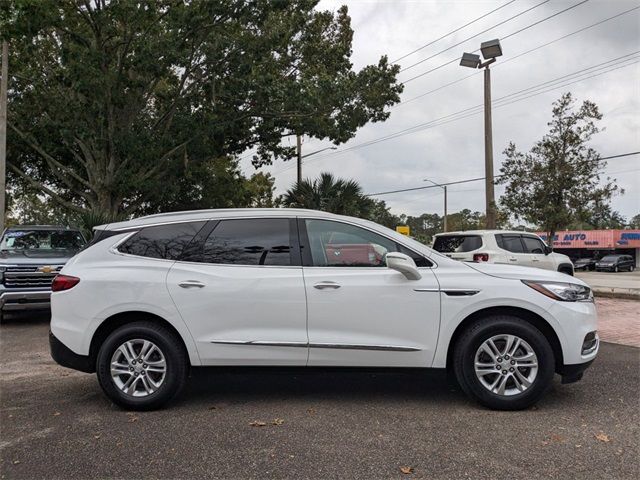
(523, 249)
(153, 297)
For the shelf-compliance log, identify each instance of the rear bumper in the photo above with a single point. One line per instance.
(67, 358)
(574, 373)
(21, 300)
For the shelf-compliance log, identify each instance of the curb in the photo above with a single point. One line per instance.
(625, 293)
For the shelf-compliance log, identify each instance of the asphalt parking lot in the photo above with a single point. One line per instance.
(56, 423)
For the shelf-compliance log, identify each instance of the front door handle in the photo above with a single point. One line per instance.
(513, 259)
(323, 285)
(191, 284)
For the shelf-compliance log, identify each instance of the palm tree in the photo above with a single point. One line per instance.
(329, 194)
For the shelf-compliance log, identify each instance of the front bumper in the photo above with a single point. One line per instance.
(574, 373)
(21, 300)
(67, 358)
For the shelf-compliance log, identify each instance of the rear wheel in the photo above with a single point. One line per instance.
(142, 366)
(631, 268)
(504, 363)
(615, 269)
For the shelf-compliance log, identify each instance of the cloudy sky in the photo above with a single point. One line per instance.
(600, 63)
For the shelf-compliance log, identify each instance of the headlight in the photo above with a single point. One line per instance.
(564, 292)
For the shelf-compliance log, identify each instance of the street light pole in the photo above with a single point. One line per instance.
(3, 131)
(490, 50)
(490, 206)
(299, 159)
(444, 187)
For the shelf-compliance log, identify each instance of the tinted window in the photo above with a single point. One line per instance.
(39, 240)
(263, 241)
(335, 244)
(457, 243)
(533, 245)
(511, 243)
(163, 241)
(610, 258)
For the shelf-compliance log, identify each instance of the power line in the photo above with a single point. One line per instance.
(469, 111)
(503, 62)
(503, 38)
(452, 32)
(477, 179)
(476, 35)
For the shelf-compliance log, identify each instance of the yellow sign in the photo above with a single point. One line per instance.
(403, 229)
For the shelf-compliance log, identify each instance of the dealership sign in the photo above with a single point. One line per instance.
(595, 239)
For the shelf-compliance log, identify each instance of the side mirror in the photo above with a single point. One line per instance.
(547, 250)
(403, 264)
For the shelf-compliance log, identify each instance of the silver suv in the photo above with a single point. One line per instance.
(30, 257)
(502, 246)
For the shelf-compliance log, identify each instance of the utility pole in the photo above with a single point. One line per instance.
(3, 131)
(490, 203)
(299, 153)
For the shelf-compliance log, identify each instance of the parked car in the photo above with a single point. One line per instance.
(587, 264)
(153, 297)
(30, 257)
(502, 246)
(616, 263)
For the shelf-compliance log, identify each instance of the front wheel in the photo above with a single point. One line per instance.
(631, 268)
(615, 269)
(142, 366)
(504, 362)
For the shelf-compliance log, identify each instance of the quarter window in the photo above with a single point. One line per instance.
(163, 241)
(264, 241)
(335, 244)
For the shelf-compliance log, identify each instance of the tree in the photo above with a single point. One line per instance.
(117, 105)
(600, 217)
(329, 194)
(558, 181)
(635, 221)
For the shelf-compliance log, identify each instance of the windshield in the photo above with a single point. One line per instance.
(609, 258)
(457, 243)
(41, 240)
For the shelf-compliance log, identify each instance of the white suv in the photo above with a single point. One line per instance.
(153, 297)
(502, 246)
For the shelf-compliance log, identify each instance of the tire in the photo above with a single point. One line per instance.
(615, 269)
(168, 350)
(631, 268)
(468, 346)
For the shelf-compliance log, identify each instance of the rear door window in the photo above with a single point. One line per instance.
(511, 243)
(163, 241)
(457, 243)
(254, 241)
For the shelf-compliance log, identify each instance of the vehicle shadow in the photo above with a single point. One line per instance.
(253, 384)
(25, 318)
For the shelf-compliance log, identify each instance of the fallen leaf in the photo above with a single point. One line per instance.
(257, 423)
(277, 421)
(213, 407)
(55, 414)
(603, 437)
(96, 437)
(132, 417)
(15, 462)
(311, 411)
(406, 470)
(555, 438)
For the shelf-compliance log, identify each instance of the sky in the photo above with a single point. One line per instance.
(601, 63)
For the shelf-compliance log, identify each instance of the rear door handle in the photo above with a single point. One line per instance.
(323, 285)
(191, 284)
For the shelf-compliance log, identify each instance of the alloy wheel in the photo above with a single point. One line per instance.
(138, 367)
(506, 365)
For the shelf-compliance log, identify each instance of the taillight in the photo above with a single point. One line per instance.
(64, 282)
(480, 257)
